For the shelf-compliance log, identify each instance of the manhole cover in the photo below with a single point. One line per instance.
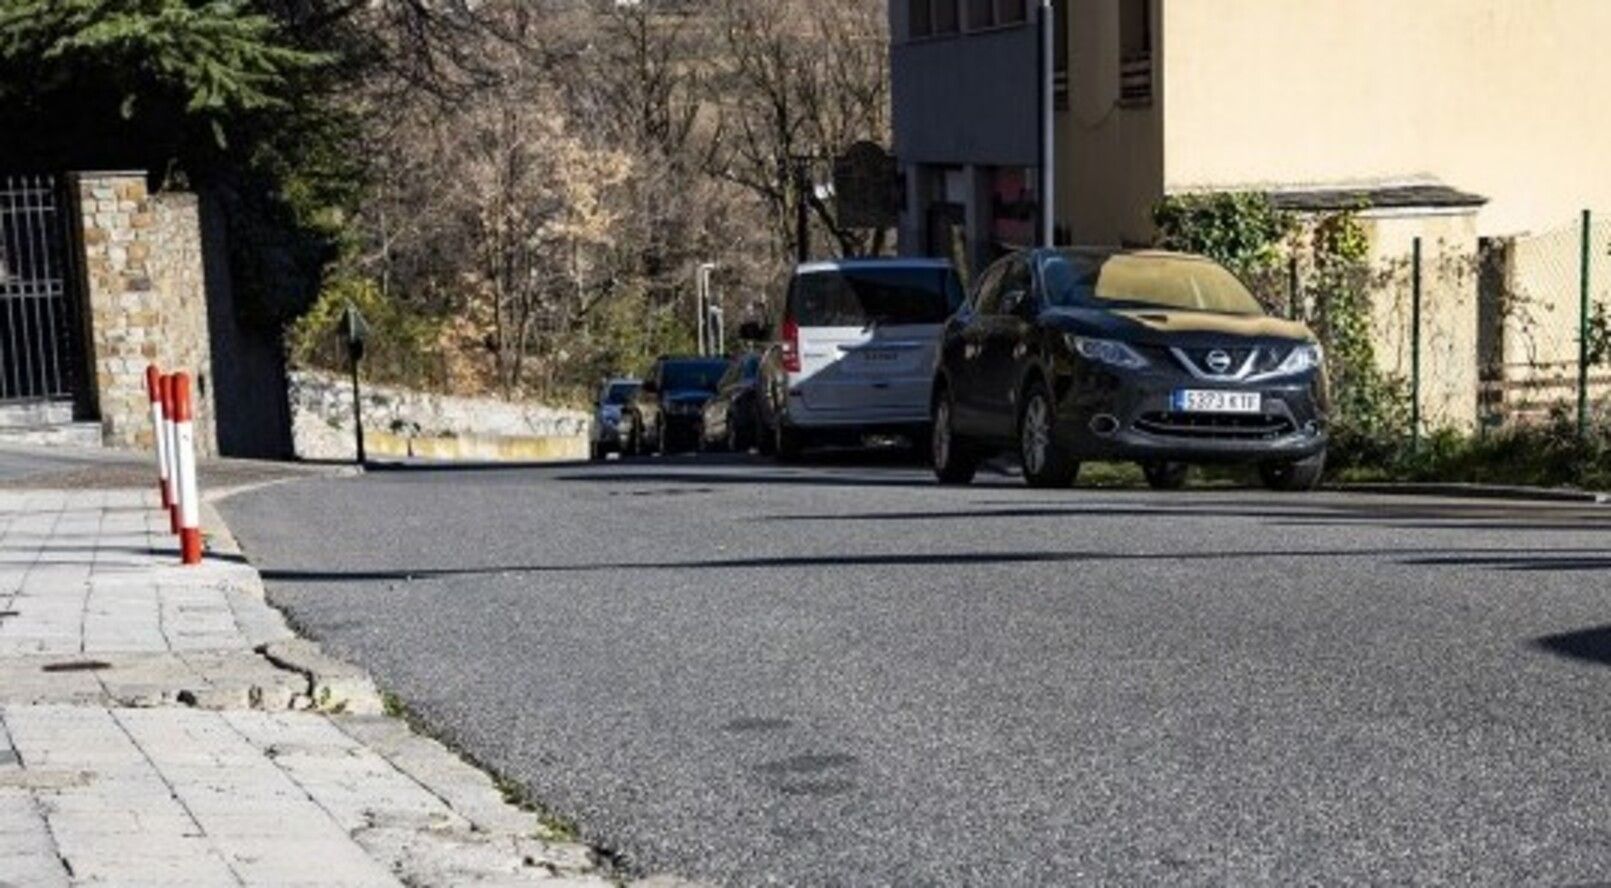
(76, 666)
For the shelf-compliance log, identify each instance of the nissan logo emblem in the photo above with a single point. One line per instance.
(1218, 361)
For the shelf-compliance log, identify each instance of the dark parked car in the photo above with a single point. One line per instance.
(732, 419)
(664, 415)
(612, 397)
(1161, 358)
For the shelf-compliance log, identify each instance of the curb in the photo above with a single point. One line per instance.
(1479, 491)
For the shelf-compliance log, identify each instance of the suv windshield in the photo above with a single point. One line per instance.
(620, 392)
(698, 375)
(1138, 280)
(861, 297)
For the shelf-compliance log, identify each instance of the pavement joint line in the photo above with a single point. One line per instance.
(172, 791)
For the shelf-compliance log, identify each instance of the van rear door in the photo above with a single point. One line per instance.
(868, 335)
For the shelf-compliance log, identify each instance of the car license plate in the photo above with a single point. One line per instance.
(1208, 401)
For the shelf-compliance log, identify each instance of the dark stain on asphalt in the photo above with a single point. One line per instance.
(809, 763)
(756, 725)
(815, 788)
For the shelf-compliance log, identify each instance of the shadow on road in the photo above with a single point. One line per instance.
(1285, 514)
(1418, 557)
(1593, 645)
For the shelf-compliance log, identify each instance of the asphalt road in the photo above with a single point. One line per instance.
(844, 674)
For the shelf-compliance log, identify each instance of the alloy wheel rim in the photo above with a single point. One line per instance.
(1036, 435)
(942, 434)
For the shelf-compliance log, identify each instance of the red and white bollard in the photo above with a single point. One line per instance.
(153, 387)
(185, 450)
(170, 442)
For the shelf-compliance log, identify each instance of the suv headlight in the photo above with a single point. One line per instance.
(1106, 351)
(1301, 359)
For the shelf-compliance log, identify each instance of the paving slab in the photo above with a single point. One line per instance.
(161, 725)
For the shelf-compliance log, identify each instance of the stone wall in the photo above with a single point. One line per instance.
(147, 300)
(403, 423)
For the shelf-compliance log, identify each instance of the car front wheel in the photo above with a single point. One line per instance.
(1294, 476)
(1046, 464)
(954, 461)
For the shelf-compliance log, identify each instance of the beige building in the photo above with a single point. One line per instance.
(1457, 119)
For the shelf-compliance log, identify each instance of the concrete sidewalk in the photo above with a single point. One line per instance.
(161, 725)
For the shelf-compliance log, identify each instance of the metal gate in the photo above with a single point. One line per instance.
(41, 328)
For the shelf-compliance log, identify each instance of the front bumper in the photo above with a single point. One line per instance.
(1118, 415)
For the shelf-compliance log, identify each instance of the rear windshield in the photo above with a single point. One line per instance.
(620, 392)
(862, 297)
(1147, 282)
(699, 375)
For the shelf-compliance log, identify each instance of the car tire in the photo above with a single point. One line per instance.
(954, 460)
(1046, 463)
(1165, 475)
(788, 443)
(1295, 476)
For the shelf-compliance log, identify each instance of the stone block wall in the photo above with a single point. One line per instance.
(399, 423)
(147, 301)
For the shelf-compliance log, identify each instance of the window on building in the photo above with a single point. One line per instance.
(984, 14)
(1135, 52)
(944, 16)
(918, 22)
(981, 14)
(1014, 207)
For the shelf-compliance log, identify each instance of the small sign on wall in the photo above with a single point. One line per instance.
(866, 182)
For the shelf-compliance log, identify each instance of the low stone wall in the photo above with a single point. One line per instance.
(404, 423)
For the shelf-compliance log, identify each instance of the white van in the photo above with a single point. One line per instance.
(856, 350)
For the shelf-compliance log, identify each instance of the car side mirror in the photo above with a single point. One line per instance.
(1014, 302)
(754, 331)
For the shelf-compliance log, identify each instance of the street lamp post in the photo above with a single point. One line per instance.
(1048, 131)
(702, 304)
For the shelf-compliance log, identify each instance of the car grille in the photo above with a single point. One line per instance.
(1214, 425)
(1265, 359)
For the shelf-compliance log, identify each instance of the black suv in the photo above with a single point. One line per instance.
(663, 416)
(1104, 354)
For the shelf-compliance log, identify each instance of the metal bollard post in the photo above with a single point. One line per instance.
(153, 389)
(185, 450)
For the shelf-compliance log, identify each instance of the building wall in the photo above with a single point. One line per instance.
(147, 301)
(962, 104)
(1449, 316)
(1494, 97)
(1110, 171)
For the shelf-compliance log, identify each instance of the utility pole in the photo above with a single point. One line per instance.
(1048, 119)
(702, 304)
(802, 221)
